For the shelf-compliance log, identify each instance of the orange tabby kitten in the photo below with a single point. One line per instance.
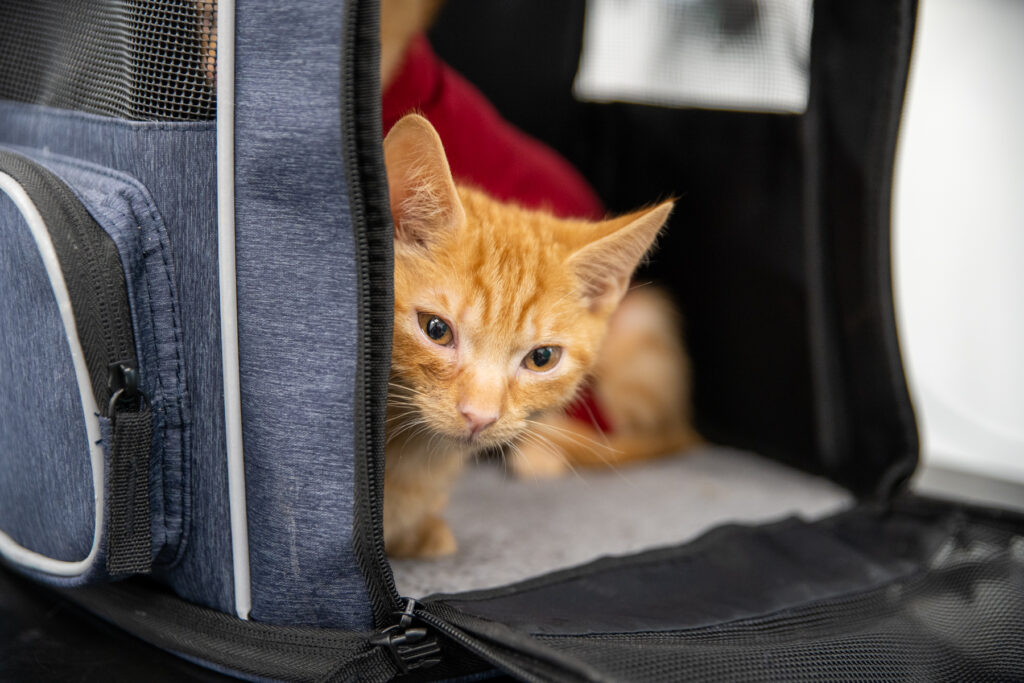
(500, 315)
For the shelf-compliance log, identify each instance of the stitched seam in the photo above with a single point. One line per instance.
(185, 469)
(108, 122)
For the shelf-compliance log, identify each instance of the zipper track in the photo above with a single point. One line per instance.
(373, 235)
(116, 337)
(517, 654)
(92, 268)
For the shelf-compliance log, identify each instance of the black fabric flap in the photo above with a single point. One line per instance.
(921, 590)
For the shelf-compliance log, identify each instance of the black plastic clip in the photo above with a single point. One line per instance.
(412, 648)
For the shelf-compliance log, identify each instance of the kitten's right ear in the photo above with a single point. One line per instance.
(605, 265)
(424, 201)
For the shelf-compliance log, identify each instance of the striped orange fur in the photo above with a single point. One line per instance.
(500, 314)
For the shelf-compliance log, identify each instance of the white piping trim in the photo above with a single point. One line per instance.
(229, 304)
(10, 548)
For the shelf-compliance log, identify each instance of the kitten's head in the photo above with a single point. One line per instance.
(499, 311)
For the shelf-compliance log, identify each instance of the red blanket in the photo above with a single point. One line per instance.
(484, 149)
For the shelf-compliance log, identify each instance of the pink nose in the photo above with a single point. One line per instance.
(476, 420)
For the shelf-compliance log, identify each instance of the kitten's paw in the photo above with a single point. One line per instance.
(436, 538)
(532, 462)
(433, 538)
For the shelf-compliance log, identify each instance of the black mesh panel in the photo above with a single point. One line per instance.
(960, 624)
(918, 591)
(133, 59)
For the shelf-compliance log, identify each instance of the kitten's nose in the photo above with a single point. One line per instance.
(477, 420)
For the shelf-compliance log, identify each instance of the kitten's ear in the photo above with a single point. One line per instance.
(424, 201)
(605, 265)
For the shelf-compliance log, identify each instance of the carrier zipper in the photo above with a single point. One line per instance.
(517, 655)
(411, 647)
(417, 647)
(373, 241)
(92, 269)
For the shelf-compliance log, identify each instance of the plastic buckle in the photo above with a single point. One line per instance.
(412, 648)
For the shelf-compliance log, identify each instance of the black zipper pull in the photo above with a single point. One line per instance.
(129, 538)
(123, 382)
(412, 647)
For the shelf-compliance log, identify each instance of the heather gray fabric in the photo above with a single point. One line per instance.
(176, 163)
(46, 494)
(510, 530)
(297, 314)
(125, 211)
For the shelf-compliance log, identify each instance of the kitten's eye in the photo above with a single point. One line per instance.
(435, 328)
(542, 358)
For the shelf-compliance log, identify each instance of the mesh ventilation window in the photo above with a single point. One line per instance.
(134, 59)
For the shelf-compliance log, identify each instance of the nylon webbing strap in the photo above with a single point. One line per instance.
(128, 532)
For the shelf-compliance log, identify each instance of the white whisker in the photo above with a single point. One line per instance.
(578, 438)
(582, 440)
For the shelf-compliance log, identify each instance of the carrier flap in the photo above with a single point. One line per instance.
(921, 590)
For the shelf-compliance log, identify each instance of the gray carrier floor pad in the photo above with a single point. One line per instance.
(509, 529)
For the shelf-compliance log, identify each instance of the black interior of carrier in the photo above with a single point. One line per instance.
(778, 256)
(777, 251)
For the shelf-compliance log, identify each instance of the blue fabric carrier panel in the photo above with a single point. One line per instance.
(175, 163)
(46, 497)
(298, 317)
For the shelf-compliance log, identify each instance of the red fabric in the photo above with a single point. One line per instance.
(484, 149)
(586, 409)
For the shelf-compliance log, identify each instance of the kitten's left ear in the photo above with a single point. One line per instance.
(604, 266)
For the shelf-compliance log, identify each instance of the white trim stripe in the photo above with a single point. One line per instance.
(10, 548)
(229, 304)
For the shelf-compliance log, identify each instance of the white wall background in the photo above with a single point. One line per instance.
(959, 235)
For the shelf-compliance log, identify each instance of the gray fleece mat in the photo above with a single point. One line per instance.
(510, 530)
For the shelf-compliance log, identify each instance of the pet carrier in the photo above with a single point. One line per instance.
(196, 316)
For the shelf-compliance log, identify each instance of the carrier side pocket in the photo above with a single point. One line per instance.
(81, 495)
